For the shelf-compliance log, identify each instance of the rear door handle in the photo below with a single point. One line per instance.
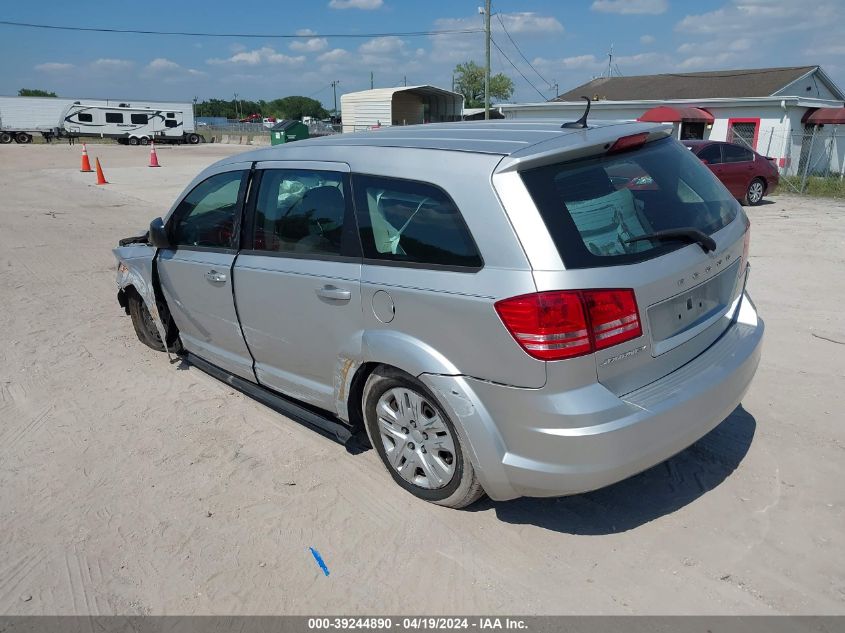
(333, 292)
(214, 276)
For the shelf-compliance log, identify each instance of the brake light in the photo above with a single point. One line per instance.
(569, 323)
(746, 243)
(628, 142)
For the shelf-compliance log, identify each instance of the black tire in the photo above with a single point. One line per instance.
(23, 138)
(5, 138)
(193, 139)
(464, 488)
(145, 140)
(145, 328)
(755, 192)
(133, 140)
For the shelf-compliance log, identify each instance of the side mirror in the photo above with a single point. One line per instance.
(158, 234)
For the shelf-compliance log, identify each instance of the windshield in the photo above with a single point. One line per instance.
(594, 208)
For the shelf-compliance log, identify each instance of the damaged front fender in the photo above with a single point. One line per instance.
(136, 269)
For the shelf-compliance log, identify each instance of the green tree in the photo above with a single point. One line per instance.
(296, 107)
(31, 92)
(469, 81)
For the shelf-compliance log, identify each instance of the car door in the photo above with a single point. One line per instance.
(195, 274)
(738, 168)
(297, 281)
(711, 155)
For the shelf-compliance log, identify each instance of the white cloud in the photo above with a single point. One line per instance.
(305, 32)
(263, 55)
(382, 45)
(112, 64)
(333, 56)
(529, 22)
(53, 67)
(626, 7)
(168, 70)
(311, 45)
(766, 17)
(366, 5)
(647, 39)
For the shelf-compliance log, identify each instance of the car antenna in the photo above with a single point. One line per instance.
(582, 122)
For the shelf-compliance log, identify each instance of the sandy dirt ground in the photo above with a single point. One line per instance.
(129, 485)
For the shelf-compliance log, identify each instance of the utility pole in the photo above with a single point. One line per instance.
(405, 80)
(334, 91)
(371, 80)
(237, 110)
(487, 59)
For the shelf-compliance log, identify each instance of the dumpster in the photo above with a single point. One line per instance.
(288, 130)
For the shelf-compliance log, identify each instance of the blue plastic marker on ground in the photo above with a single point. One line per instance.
(319, 560)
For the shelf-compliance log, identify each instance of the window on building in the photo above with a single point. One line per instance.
(85, 117)
(114, 117)
(139, 119)
(412, 222)
(743, 133)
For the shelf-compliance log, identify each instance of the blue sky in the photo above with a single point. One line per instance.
(565, 41)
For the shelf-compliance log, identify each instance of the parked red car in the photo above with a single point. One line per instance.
(747, 175)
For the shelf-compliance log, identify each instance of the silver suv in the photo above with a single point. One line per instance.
(510, 308)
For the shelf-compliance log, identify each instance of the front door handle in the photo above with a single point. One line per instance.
(333, 292)
(215, 277)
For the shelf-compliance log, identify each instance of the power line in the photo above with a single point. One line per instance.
(528, 81)
(504, 28)
(242, 35)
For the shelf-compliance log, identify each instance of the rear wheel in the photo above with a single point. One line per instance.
(145, 140)
(133, 140)
(193, 139)
(145, 327)
(754, 195)
(417, 441)
(23, 138)
(5, 138)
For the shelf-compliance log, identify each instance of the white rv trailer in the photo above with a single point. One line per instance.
(130, 122)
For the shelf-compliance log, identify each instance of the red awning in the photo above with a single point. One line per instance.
(823, 116)
(672, 114)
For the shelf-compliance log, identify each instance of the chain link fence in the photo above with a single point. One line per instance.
(807, 159)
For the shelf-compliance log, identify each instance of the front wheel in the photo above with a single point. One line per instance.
(193, 139)
(145, 327)
(133, 140)
(23, 138)
(5, 138)
(754, 195)
(416, 440)
(145, 140)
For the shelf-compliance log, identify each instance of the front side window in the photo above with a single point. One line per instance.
(170, 123)
(594, 208)
(138, 119)
(712, 154)
(114, 117)
(206, 216)
(85, 117)
(300, 211)
(412, 222)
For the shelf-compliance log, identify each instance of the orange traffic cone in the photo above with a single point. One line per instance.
(86, 164)
(101, 179)
(153, 156)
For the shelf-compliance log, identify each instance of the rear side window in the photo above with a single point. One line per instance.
(170, 123)
(593, 207)
(301, 211)
(114, 117)
(411, 222)
(138, 119)
(85, 117)
(736, 154)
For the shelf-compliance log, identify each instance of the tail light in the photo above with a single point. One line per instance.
(626, 143)
(746, 243)
(569, 323)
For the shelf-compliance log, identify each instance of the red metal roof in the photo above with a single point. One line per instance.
(822, 116)
(672, 114)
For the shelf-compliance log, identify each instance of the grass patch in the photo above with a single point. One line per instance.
(823, 187)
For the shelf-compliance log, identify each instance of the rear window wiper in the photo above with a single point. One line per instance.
(690, 234)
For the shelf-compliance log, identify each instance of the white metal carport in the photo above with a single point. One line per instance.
(405, 105)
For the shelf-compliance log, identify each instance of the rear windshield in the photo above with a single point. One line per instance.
(592, 207)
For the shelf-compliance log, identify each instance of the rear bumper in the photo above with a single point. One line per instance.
(532, 443)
